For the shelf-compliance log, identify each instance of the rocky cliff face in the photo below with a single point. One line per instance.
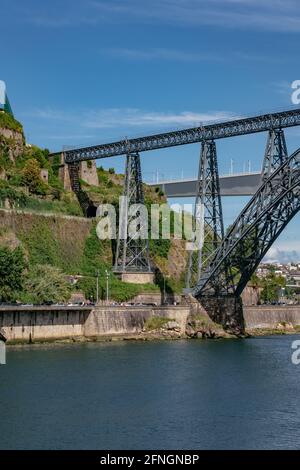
(11, 143)
(65, 235)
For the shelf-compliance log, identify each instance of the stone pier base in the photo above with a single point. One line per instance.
(137, 278)
(227, 311)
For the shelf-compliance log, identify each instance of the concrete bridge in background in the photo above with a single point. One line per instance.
(244, 184)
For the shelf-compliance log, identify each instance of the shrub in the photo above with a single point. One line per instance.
(55, 165)
(8, 122)
(16, 198)
(41, 156)
(155, 323)
(31, 177)
(47, 284)
(12, 265)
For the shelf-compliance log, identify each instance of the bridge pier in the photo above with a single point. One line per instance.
(208, 216)
(132, 256)
(226, 311)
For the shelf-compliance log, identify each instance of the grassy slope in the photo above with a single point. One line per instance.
(72, 245)
(8, 122)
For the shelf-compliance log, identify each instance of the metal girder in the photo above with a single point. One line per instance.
(234, 127)
(276, 152)
(132, 251)
(208, 217)
(254, 231)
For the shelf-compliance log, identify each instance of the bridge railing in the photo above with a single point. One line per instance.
(153, 178)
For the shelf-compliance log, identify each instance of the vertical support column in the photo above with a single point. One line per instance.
(208, 216)
(132, 254)
(275, 154)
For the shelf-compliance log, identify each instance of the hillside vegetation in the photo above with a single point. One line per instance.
(21, 185)
(44, 245)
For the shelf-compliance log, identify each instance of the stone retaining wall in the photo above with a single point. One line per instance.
(268, 317)
(41, 323)
(29, 324)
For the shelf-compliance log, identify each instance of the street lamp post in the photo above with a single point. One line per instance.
(97, 287)
(107, 278)
(165, 289)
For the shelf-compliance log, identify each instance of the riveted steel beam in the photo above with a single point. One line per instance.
(232, 128)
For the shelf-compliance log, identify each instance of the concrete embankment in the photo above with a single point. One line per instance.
(38, 324)
(271, 317)
(30, 324)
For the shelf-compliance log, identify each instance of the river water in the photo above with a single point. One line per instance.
(227, 394)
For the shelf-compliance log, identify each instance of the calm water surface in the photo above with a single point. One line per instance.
(173, 395)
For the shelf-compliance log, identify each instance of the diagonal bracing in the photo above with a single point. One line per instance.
(254, 231)
(132, 249)
(208, 217)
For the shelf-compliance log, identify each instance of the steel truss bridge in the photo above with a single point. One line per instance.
(222, 264)
(194, 135)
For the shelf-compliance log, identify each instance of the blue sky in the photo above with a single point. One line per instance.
(82, 72)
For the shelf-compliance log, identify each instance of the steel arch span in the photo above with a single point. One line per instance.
(253, 233)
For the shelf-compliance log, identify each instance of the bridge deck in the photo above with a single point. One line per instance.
(233, 185)
(232, 128)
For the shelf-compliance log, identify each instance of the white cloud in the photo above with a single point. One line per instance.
(79, 127)
(267, 15)
(283, 253)
(274, 15)
(176, 55)
(283, 87)
(139, 118)
(129, 117)
(161, 54)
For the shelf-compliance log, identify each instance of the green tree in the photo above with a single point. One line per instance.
(46, 283)
(272, 285)
(12, 265)
(41, 156)
(31, 177)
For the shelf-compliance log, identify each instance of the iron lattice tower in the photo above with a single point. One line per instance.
(132, 253)
(275, 154)
(208, 217)
(263, 219)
